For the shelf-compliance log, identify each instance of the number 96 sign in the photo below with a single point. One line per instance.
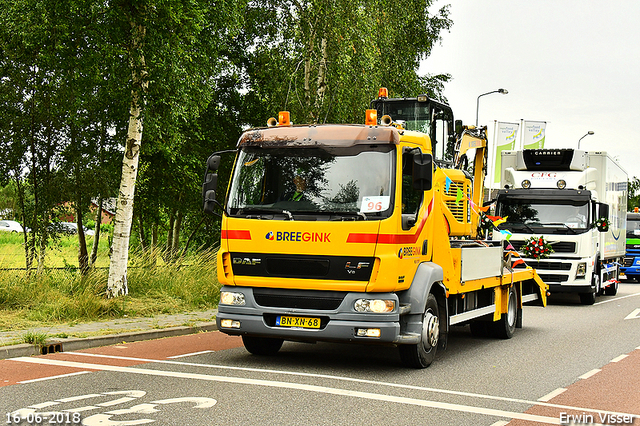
(374, 204)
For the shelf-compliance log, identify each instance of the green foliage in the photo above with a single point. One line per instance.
(633, 195)
(212, 68)
(325, 60)
(34, 338)
(63, 296)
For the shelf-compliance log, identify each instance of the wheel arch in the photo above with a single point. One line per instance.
(427, 280)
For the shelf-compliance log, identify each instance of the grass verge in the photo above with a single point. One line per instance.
(63, 296)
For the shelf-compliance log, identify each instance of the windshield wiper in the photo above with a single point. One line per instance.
(562, 224)
(514, 224)
(341, 214)
(246, 210)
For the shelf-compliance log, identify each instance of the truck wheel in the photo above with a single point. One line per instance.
(612, 290)
(479, 329)
(262, 345)
(422, 354)
(506, 325)
(590, 298)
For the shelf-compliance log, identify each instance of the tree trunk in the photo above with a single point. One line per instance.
(83, 255)
(117, 284)
(28, 247)
(143, 237)
(322, 80)
(193, 233)
(154, 236)
(168, 252)
(96, 237)
(154, 242)
(176, 234)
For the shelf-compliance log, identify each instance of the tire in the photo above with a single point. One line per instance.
(421, 355)
(506, 325)
(479, 329)
(264, 346)
(590, 298)
(612, 290)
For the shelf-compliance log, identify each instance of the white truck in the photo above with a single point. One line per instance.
(560, 195)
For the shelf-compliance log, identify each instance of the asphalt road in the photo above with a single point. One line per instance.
(567, 360)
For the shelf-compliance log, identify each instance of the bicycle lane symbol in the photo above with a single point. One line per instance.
(105, 418)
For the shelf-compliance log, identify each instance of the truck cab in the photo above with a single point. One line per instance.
(560, 195)
(631, 266)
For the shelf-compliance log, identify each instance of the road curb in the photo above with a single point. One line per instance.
(76, 343)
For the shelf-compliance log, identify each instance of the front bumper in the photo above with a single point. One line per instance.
(337, 325)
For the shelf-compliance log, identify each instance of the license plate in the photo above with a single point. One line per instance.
(300, 322)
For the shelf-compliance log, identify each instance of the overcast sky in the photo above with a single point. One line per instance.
(574, 64)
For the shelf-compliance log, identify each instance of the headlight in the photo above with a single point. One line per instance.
(562, 184)
(526, 184)
(581, 270)
(231, 298)
(377, 306)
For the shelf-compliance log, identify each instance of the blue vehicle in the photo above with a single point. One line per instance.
(631, 267)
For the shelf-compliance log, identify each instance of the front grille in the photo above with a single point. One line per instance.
(558, 246)
(547, 266)
(295, 267)
(457, 209)
(299, 299)
(320, 267)
(554, 278)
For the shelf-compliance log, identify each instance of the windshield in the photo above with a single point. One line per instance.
(354, 181)
(414, 115)
(633, 228)
(529, 216)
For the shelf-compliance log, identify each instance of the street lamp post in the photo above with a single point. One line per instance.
(589, 133)
(503, 91)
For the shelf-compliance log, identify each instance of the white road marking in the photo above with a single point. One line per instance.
(347, 379)
(310, 388)
(79, 398)
(54, 377)
(633, 315)
(191, 354)
(590, 373)
(500, 423)
(548, 397)
(300, 386)
(620, 358)
(617, 298)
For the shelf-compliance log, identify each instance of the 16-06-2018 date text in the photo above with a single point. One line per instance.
(52, 418)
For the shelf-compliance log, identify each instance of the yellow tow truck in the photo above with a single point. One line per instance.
(363, 233)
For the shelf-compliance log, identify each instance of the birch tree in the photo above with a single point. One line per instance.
(117, 284)
(175, 50)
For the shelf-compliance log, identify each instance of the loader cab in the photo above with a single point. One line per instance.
(424, 115)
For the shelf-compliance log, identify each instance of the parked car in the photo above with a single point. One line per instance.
(69, 228)
(10, 226)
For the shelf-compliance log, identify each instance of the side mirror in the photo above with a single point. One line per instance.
(210, 184)
(210, 202)
(603, 213)
(422, 171)
(213, 162)
(603, 210)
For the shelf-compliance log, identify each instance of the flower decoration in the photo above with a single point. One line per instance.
(537, 248)
(603, 224)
